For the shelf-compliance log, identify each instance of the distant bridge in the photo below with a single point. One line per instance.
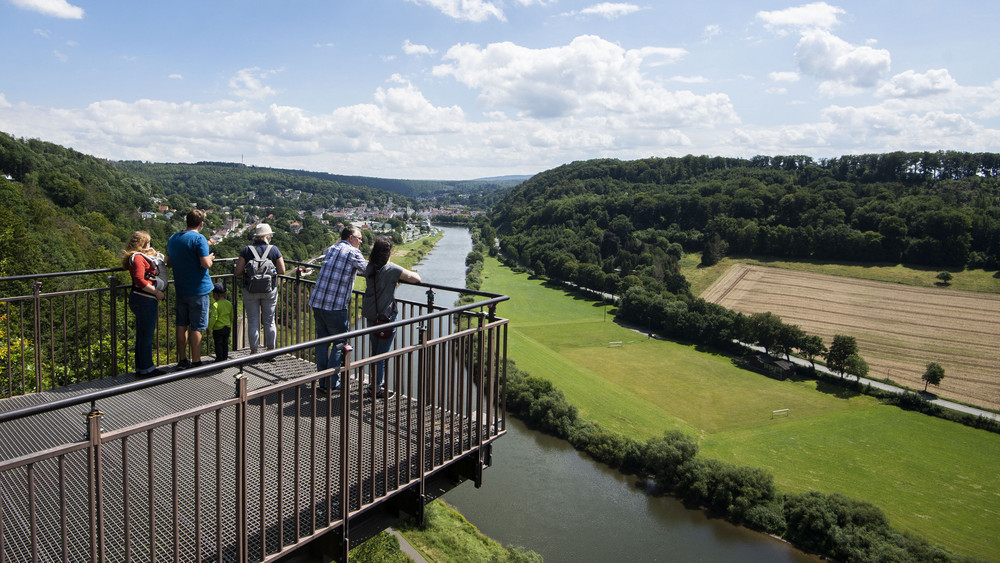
(243, 460)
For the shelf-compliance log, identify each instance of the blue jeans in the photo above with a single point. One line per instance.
(381, 346)
(145, 310)
(330, 323)
(259, 308)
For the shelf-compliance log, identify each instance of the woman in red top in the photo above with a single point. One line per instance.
(148, 282)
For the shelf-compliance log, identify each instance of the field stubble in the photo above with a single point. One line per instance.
(899, 328)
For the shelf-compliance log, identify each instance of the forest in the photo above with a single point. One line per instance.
(622, 227)
(61, 210)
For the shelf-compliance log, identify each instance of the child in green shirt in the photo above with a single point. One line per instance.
(220, 321)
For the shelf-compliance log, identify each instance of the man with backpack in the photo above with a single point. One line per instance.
(260, 264)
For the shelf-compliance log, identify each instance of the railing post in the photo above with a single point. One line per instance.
(241, 467)
(480, 395)
(95, 488)
(345, 461)
(233, 299)
(113, 287)
(36, 292)
(423, 357)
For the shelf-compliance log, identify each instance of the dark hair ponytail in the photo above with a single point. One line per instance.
(379, 256)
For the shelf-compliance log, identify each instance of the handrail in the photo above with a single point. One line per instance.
(240, 362)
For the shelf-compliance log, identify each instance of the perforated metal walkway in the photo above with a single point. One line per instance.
(173, 457)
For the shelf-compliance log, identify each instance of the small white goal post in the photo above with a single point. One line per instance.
(779, 412)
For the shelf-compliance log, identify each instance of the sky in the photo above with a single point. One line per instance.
(463, 89)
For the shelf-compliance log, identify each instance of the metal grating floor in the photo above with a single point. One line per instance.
(292, 467)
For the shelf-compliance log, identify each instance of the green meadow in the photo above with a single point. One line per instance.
(937, 479)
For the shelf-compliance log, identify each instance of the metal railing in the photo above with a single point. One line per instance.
(232, 461)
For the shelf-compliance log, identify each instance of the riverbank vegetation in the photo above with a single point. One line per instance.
(446, 536)
(611, 391)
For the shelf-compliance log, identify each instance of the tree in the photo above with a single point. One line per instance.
(812, 346)
(789, 336)
(945, 278)
(933, 375)
(856, 365)
(714, 250)
(765, 330)
(841, 348)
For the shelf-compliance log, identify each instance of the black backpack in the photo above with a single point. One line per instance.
(260, 276)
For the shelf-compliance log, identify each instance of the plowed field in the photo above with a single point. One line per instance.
(899, 329)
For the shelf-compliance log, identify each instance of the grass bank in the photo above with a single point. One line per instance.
(445, 537)
(834, 440)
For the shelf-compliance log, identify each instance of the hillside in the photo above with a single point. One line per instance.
(61, 210)
(205, 179)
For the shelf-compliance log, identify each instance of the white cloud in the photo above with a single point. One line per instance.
(470, 10)
(413, 49)
(590, 76)
(43, 32)
(823, 55)
(3, 101)
(60, 56)
(689, 79)
(817, 15)
(783, 76)
(54, 8)
(711, 31)
(176, 76)
(910, 84)
(249, 83)
(610, 10)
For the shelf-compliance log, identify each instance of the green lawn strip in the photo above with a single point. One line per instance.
(919, 276)
(647, 386)
(448, 536)
(597, 398)
(931, 476)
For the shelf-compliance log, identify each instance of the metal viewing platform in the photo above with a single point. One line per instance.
(242, 460)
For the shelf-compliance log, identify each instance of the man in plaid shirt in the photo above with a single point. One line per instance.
(332, 295)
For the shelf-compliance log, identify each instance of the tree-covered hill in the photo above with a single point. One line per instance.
(62, 210)
(217, 180)
(211, 184)
(940, 209)
(622, 227)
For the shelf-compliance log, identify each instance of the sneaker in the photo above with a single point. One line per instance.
(323, 388)
(146, 374)
(384, 393)
(196, 364)
(184, 364)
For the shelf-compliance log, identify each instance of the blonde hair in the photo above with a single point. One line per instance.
(138, 243)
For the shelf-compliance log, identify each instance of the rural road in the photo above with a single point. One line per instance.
(893, 389)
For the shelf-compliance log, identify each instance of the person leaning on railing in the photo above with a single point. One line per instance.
(378, 306)
(331, 296)
(148, 272)
(259, 306)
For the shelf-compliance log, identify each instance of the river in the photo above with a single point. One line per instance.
(543, 495)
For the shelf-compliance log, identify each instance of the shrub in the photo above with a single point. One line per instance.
(766, 518)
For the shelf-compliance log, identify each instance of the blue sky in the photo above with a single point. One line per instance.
(459, 89)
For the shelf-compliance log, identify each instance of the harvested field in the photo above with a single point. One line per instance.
(899, 329)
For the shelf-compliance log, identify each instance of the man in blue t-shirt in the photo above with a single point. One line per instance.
(188, 255)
